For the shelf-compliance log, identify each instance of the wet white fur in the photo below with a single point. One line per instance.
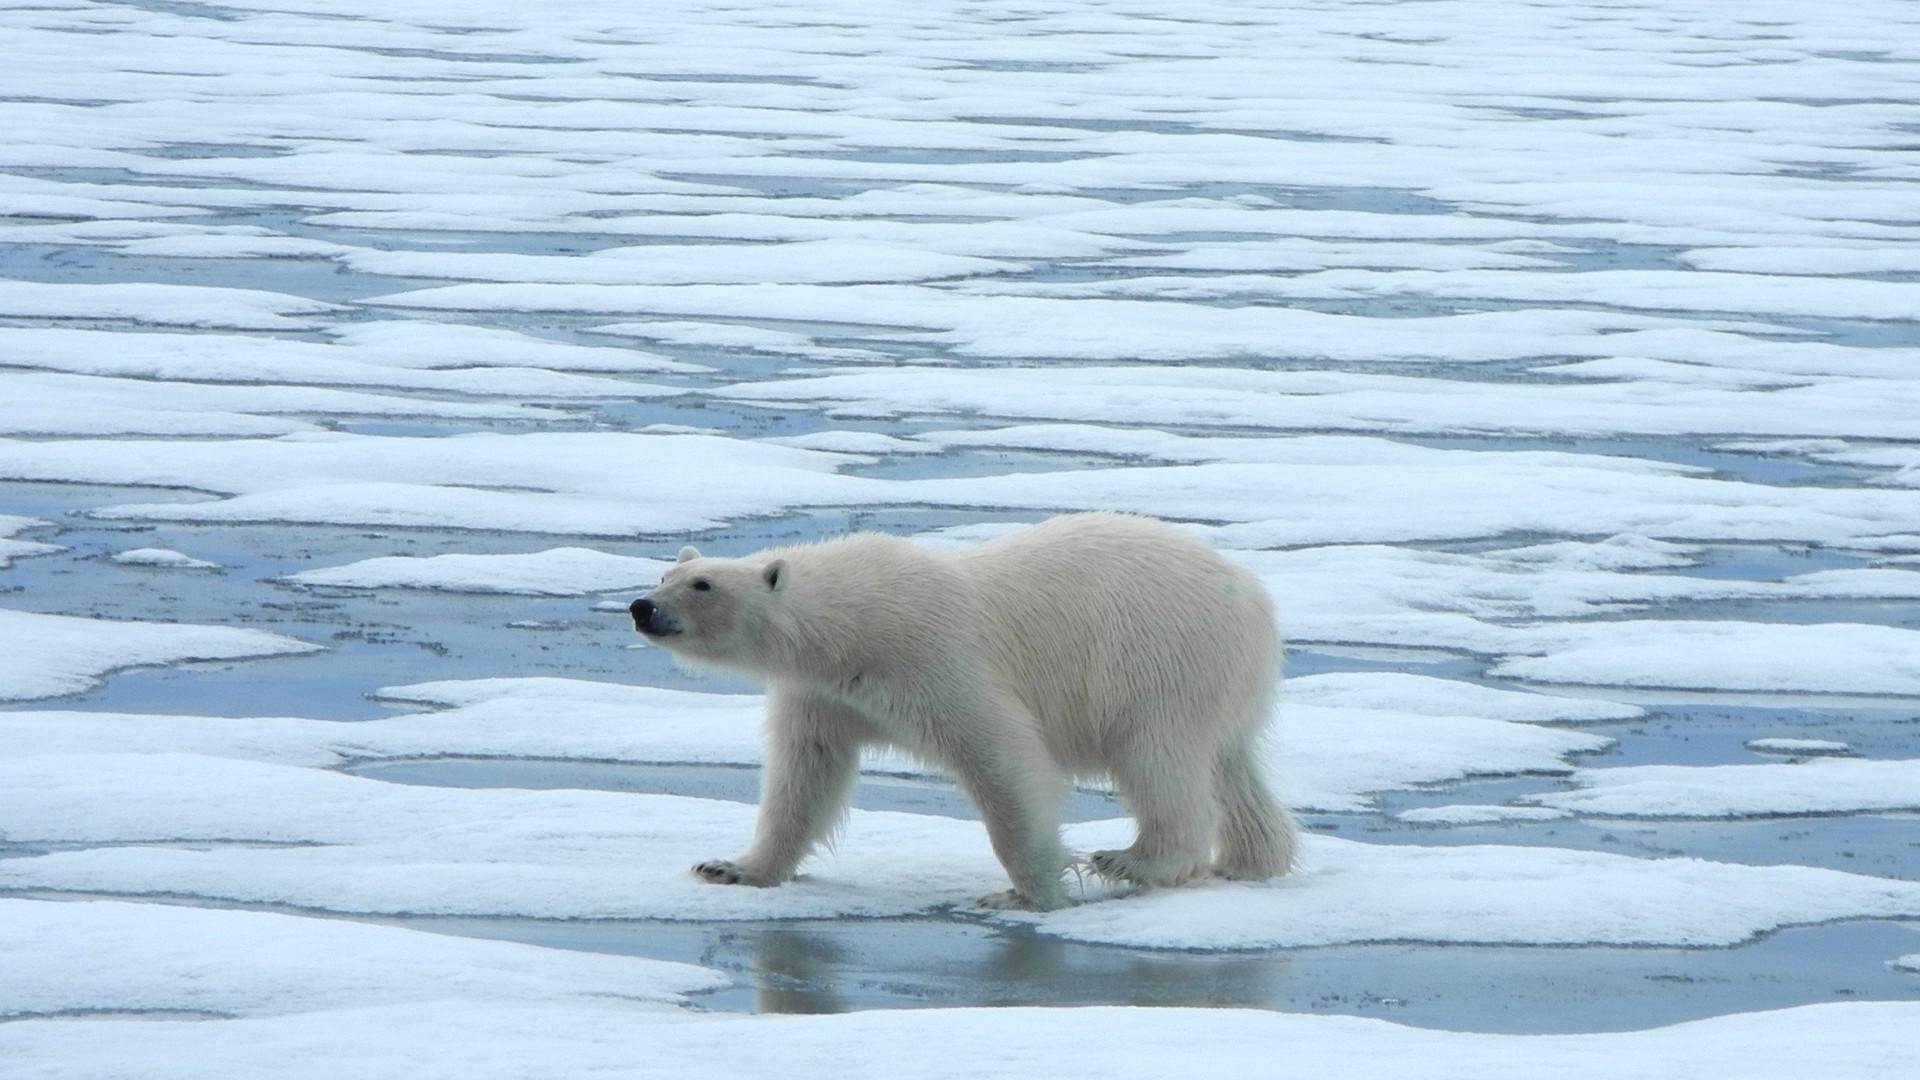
(1090, 645)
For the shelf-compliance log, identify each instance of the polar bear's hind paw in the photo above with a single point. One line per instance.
(724, 872)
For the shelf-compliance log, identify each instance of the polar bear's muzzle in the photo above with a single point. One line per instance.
(650, 620)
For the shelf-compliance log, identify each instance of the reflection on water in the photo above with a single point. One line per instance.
(817, 966)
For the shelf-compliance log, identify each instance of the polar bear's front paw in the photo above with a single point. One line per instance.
(726, 872)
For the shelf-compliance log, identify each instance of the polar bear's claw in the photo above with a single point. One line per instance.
(1117, 866)
(723, 872)
(1015, 900)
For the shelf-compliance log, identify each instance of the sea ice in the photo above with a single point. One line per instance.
(1480, 815)
(49, 655)
(1668, 250)
(485, 1040)
(454, 360)
(592, 483)
(1821, 786)
(162, 557)
(1798, 747)
(554, 572)
(112, 956)
(161, 305)
(1843, 658)
(11, 549)
(289, 834)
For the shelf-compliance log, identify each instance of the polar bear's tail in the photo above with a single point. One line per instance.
(1257, 833)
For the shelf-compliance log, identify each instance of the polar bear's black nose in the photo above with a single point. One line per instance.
(642, 610)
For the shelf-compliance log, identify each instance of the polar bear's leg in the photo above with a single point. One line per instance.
(1000, 761)
(1170, 790)
(812, 760)
(1257, 832)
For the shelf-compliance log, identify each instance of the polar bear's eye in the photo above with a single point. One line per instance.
(702, 584)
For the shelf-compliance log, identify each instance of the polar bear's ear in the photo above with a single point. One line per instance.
(688, 552)
(775, 574)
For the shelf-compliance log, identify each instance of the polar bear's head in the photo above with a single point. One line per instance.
(712, 612)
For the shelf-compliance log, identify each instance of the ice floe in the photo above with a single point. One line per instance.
(554, 572)
(606, 483)
(486, 1040)
(1010, 326)
(1821, 786)
(11, 548)
(1820, 658)
(1321, 400)
(60, 404)
(1799, 747)
(113, 956)
(1428, 696)
(162, 557)
(1480, 815)
(49, 655)
(1771, 294)
(583, 483)
(161, 305)
(347, 844)
(444, 359)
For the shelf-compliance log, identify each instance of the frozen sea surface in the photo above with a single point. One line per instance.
(1556, 367)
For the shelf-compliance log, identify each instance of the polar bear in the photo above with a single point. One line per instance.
(1089, 645)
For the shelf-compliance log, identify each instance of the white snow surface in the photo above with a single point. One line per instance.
(347, 844)
(1480, 815)
(11, 549)
(118, 956)
(1821, 657)
(491, 1041)
(1820, 786)
(555, 572)
(1799, 746)
(588, 483)
(162, 557)
(50, 655)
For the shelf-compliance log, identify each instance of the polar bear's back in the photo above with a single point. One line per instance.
(1104, 624)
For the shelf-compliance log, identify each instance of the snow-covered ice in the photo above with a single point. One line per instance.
(348, 844)
(555, 572)
(162, 557)
(1799, 747)
(1823, 786)
(112, 956)
(487, 1040)
(1480, 815)
(49, 655)
(1835, 657)
(12, 548)
(1554, 366)
(587, 483)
